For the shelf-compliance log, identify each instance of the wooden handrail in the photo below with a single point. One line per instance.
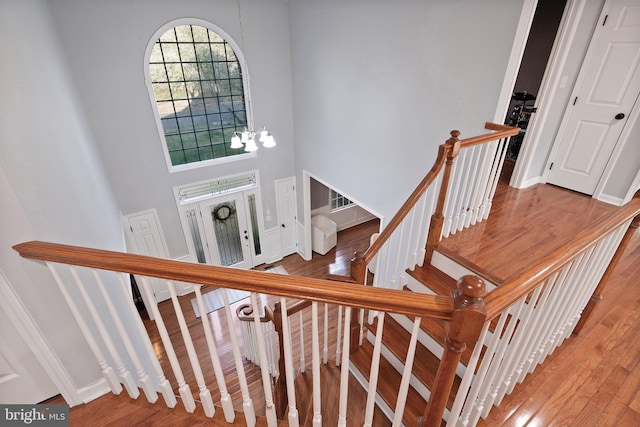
(522, 283)
(445, 151)
(325, 291)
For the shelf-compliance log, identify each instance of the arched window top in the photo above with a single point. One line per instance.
(197, 82)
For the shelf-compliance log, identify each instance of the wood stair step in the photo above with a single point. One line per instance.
(434, 279)
(396, 339)
(389, 383)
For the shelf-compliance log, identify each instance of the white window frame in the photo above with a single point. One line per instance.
(245, 83)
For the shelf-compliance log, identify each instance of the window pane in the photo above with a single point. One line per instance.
(200, 106)
(199, 34)
(161, 91)
(170, 52)
(187, 52)
(185, 124)
(184, 33)
(174, 72)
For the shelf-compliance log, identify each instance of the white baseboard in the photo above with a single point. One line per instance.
(93, 391)
(617, 201)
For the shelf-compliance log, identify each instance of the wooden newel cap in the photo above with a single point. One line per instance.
(472, 287)
(454, 135)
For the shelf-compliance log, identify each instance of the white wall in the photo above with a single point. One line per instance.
(378, 85)
(52, 186)
(105, 42)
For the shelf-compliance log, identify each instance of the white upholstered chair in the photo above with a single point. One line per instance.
(324, 234)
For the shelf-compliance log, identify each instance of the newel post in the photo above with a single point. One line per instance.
(469, 317)
(597, 293)
(452, 145)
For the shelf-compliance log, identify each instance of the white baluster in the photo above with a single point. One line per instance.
(247, 403)
(288, 365)
(183, 388)
(344, 370)
(339, 336)
(406, 374)
(272, 419)
(302, 360)
(225, 397)
(107, 371)
(373, 374)
(205, 394)
(163, 384)
(125, 376)
(145, 381)
(325, 338)
(315, 366)
(461, 410)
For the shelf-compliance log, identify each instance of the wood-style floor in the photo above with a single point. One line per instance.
(592, 380)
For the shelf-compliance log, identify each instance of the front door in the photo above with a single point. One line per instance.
(606, 91)
(226, 226)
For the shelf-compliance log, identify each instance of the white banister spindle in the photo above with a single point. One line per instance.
(339, 337)
(163, 384)
(344, 370)
(325, 337)
(270, 409)
(406, 374)
(458, 411)
(288, 365)
(315, 366)
(124, 375)
(302, 351)
(143, 378)
(225, 397)
(205, 394)
(107, 371)
(395, 283)
(247, 403)
(183, 388)
(374, 372)
(495, 175)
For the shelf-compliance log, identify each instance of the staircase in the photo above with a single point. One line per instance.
(461, 307)
(526, 226)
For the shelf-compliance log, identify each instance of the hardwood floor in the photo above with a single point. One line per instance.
(592, 380)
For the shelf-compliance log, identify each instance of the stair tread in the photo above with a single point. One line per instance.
(396, 339)
(435, 279)
(389, 383)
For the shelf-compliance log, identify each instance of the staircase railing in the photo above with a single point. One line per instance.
(452, 196)
(94, 284)
(534, 311)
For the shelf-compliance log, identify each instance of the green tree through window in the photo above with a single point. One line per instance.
(196, 80)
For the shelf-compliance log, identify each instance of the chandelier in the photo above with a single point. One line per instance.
(247, 139)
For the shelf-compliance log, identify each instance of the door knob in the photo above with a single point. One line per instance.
(283, 226)
(619, 116)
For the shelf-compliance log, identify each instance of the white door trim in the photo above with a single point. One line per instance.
(515, 59)
(548, 90)
(22, 320)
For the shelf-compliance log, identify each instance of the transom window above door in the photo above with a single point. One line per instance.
(195, 80)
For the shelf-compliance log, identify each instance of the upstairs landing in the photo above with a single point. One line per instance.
(524, 226)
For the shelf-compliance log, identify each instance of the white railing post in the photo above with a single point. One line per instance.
(270, 409)
(107, 371)
(288, 362)
(125, 375)
(225, 398)
(374, 372)
(344, 370)
(183, 388)
(315, 366)
(247, 404)
(143, 378)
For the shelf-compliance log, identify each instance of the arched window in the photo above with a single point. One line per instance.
(195, 79)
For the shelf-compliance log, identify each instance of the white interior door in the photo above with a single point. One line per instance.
(227, 231)
(606, 91)
(287, 206)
